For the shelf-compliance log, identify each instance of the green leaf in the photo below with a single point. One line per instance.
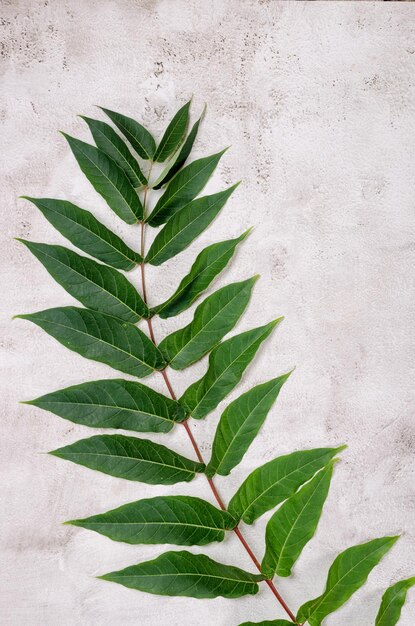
(180, 158)
(209, 263)
(102, 338)
(348, 573)
(213, 318)
(97, 286)
(87, 233)
(240, 424)
(131, 458)
(114, 403)
(108, 179)
(227, 363)
(138, 136)
(174, 134)
(392, 602)
(275, 622)
(183, 188)
(276, 481)
(107, 140)
(294, 524)
(181, 520)
(185, 225)
(186, 574)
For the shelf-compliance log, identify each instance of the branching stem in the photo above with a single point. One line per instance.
(189, 431)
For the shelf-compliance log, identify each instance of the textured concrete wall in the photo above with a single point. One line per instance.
(317, 100)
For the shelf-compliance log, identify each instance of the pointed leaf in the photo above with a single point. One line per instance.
(97, 286)
(181, 520)
(294, 524)
(180, 158)
(227, 363)
(183, 188)
(275, 622)
(108, 179)
(392, 602)
(276, 481)
(239, 425)
(131, 458)
(215, 317)
(185, 225)
(174, 134)
(114, 403)
(138, 136)
(186, 574)
(347, 574)
(107, 140)
(87, 233)
(209, 263)
(102, 338)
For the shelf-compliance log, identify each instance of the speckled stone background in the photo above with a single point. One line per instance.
(317, 100)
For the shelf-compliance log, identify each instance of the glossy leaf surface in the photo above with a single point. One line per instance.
(186, 574)
(131, 458)
(108, 179)
(107, 140)
(294, 524)
(179, 520)
(97, 286)
(101, 337)
(183, 188)
(227, 363)
(87, 233)
(138, 136)
(347, 574)
(239, 425)
(114, 403)
(276, 481)
(185, 225)
(174, 134)
(180, 159)
(392, 602)
(213, 318)
(208, 264)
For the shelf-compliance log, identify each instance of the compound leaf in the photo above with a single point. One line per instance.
(101, 337)
(277, 480)
(239, 425)
(179, 520)
(174, 134)
(227, 363)
(183, 188)
(348, 573)
(185, 225)
(294, 524)
(108, 179)
(392, 602)
(208, 264)
(138, 136)
(107, 140)
(213, 318)
(87, 233)
(131, 458)
(180, 158)
(186, 574)
(114, 403)
(97, 286)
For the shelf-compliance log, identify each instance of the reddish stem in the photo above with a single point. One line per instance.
(194, 442)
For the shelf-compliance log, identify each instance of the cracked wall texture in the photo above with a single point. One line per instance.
(317, 100)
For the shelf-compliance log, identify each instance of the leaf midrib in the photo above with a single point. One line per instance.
(94, 283)
(102, 341)
(298, 469)
(133, 458)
